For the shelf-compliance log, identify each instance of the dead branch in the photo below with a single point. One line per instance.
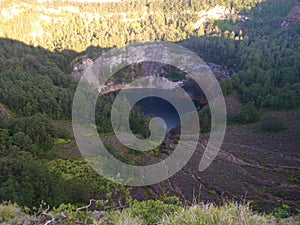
(85, 207)
(49, 215)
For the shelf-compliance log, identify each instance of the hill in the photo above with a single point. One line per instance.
(258, 162)
(74, 25)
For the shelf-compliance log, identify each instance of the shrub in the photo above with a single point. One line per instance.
(205, 119)
(151, 211)
(292, 179)
(227, 87)
(282, 212)
(231, 118)
(248, 114)
(272, 123)
(11, 213)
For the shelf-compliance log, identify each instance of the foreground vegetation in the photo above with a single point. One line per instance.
(147, 212)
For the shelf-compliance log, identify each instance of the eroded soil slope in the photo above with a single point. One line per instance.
(251, 166)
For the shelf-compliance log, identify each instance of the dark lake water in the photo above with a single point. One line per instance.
(158, 107)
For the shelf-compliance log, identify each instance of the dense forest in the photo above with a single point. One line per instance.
(39, 42)
(266, 60)
(79, 26)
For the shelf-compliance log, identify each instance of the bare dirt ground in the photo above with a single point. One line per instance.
(251, 166)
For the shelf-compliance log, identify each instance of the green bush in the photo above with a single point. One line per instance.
(292, 179)
(227, 87)
(282, 212)
(272, 123)
(11, 213)
(248, 114)
(151, 211)
(205, 119)
(231, 118)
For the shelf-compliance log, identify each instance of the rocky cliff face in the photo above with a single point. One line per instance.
(146, 69)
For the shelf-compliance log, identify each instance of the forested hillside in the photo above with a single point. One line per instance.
(252, 40)
(70, 25)
(266, 59)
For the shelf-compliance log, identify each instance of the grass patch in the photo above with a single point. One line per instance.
(153, 212)
(292, 179)
(62, 141)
